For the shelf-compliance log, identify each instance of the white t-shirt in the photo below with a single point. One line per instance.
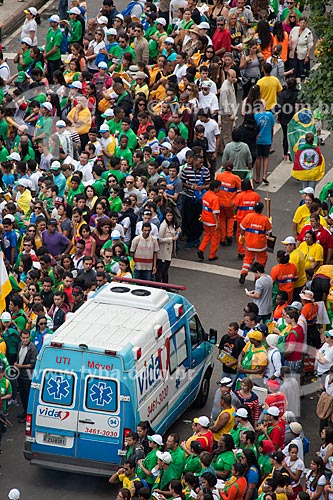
(29, 25)
(153, 232)
(310, 490)
(86, 172)
(211, 132)
(327, 351)
(208, 101)
(294, 467)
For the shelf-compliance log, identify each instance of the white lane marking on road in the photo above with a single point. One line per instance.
(278, 177)
(209, 268)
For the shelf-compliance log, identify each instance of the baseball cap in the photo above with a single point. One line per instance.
(115, 235)
(166, 145)
(225, 381)
(77, 290)
(21, 77)
(267, 446)
(104, 128)
(76, 85)
(14, 156)
(102, 20)
(120, 16)
(278, 456)
(273, 384)
(108, 113)
(161, 20)
(6, 317)
(74, 10)
(296, 305)
(60, 123)
(205, 83)
(151, 15)
(47, 105)
(273, 411)
(54, 19)
(24, 183)
(329, 333)
(52, 222)
(203, 26)
(330, 460)
(26, 40)
(169, 39)
(14, 494)
(255, 335)
(111, 31)
(295, 427)
(290, 240)
(204, 421)
(55, 165)
(156, 438)
(241, 412)
(102, 65)
(272, 339)
(10, 217)
(127, 201)
(140, 74)
(164, 456)
(307, 190)
(31, 10)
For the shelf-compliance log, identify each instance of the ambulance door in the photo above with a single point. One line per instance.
(178, 374)
(99, 434)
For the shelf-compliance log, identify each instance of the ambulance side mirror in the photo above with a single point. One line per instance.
(212, 336)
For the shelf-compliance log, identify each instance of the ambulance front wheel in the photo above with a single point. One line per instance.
(202, 396)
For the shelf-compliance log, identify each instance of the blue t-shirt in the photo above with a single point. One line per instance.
(266, 122)
(9, 240)
(252, 477)
(8, 179)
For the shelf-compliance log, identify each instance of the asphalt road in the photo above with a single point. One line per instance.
(218, 299)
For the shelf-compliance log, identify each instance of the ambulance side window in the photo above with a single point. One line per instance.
(196, 332)
(58, 388)
(178, 349)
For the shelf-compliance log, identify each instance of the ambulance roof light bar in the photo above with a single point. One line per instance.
(154, 284)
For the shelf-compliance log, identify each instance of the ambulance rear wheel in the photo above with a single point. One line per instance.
(202, 396)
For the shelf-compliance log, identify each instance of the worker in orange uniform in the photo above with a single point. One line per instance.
(230, 185)
(244, 203)
(210, 219)
(254, 229)
(284, 274)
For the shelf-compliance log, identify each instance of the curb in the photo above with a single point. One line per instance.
(16, 17)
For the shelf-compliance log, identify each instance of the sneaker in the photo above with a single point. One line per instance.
(321, 142)
(211, 259)
(241, 255)
(229, 240)
(200, 254)
(188, 245)
(196, 243)
(242, 279)
(223, 244)
(13, 402)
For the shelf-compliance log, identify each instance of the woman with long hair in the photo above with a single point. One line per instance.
(208, 55)
(91, 197)
(326, 447)
(281, 37)
(168, 235)
(290, 22)
(90, 242)
(266, 38)
(295, 467)
(236, 487)
(252, 474)
(250, 67)
(78, 52)
(223, 457)
(102, 233)
(249, 398)
(237, 35)
(249, 131)
(73, 72)
(315, 479)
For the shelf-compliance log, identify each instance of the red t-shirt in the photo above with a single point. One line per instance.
(206, 440)
(278, 399)
(277, 433)
(222, 39)
(297, 341)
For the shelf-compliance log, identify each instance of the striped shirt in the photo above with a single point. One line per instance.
(191, 176)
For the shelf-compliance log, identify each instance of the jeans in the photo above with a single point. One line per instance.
(311, 184)
(142, 275)
(62, 9)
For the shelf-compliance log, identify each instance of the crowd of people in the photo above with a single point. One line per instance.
(109, 139)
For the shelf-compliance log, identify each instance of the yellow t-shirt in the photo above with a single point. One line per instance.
(3, 347)
(259, 358)
(269, 88)
(84, 118)
(228, 426)
(297, 257)
(326, 270)
(24, 201)
(313, 253)
(301, 217)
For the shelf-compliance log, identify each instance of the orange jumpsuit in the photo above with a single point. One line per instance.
(255, 226)
(285, 275)
(230, 184)
(244, 202)
(210, 206)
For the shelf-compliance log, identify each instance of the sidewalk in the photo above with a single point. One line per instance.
(12, 15)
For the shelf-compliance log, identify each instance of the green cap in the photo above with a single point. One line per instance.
(21, 76)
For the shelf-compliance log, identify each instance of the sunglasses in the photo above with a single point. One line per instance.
(129, 182)
(42, 323)
(99, 267)
(38, 208)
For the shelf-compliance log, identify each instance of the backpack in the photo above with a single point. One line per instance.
(306, 444)
(127, 10)
(281, 345)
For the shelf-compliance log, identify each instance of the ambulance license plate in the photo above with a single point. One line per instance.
(52, 439)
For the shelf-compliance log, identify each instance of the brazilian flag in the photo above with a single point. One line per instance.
(301, 123)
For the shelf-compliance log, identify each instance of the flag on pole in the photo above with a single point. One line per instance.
(5, 286)
(309, 164)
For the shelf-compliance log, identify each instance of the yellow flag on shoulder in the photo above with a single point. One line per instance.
(5, 286)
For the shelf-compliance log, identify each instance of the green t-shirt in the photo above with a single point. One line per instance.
(44, 125)
(182, 128)
(12, 338)
(19, 319)
(119, 175)
(286, 11)
(224, 461)
(4, 129)
(132, 141)
(75, 31)
(178, 461)
(149, 463)
(115, 126)
(193, 464)
(72, 193)
(27, 60)
(163, 479)
(3, 154)
(115, 204)
(265, 465)
(99, 186)
(53, 38)
(124, 154)
(5, 388)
